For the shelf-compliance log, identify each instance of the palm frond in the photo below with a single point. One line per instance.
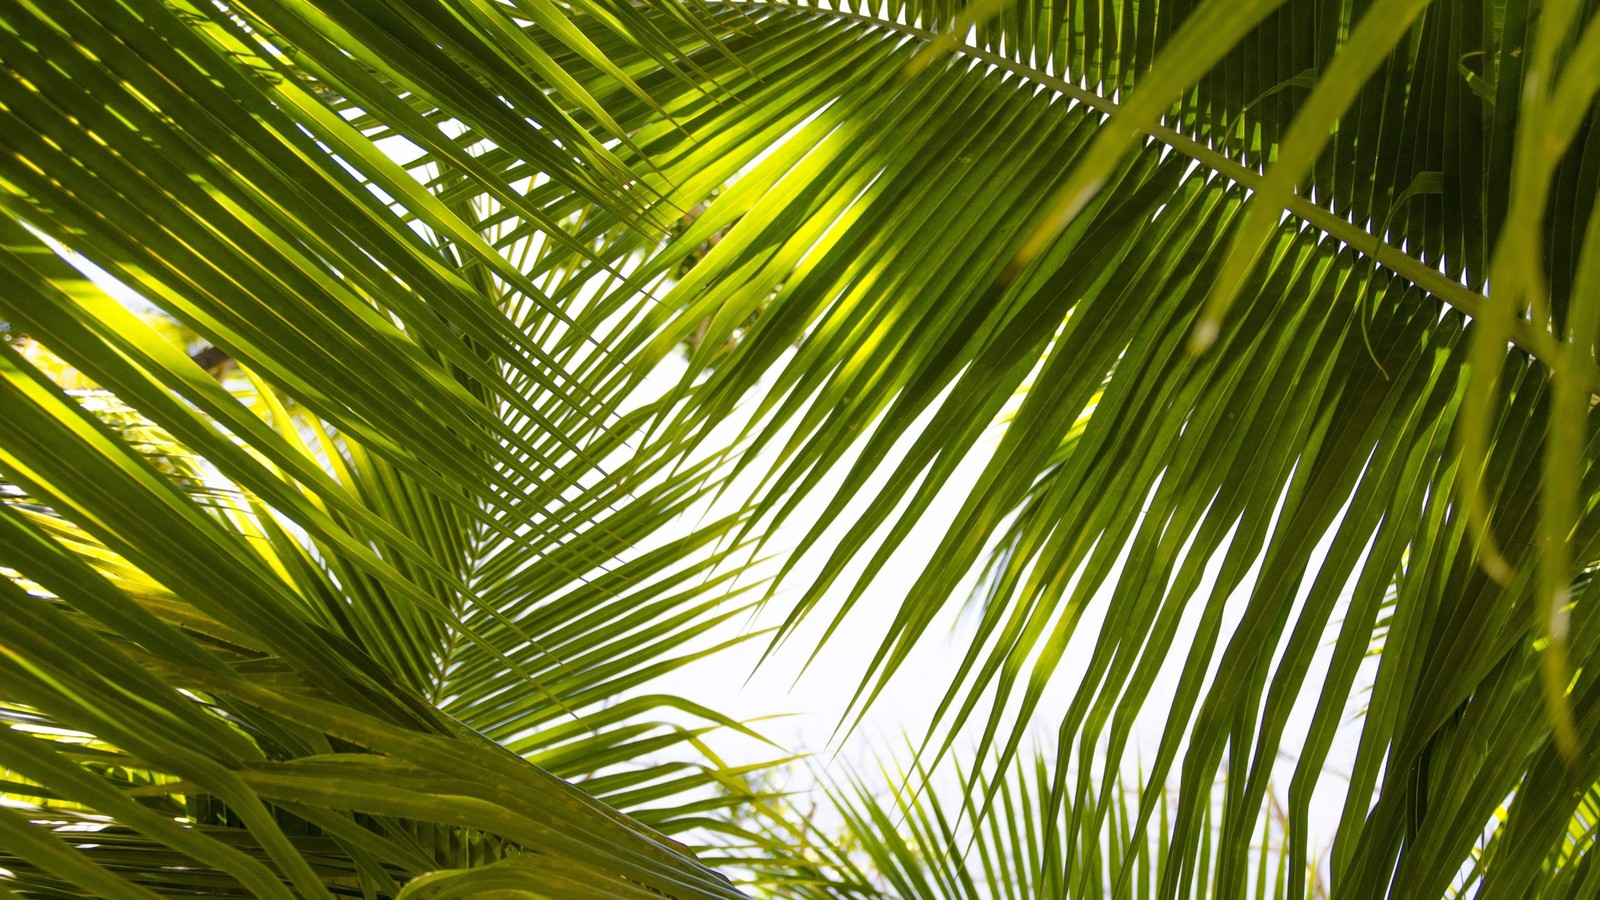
(927, 840)
(401, 503)
(865, 278)
(439, 238)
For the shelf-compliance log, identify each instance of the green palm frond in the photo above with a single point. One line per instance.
(874, 249)
(187, 711)
(1268, 321)
(920, 841)
(400, 509)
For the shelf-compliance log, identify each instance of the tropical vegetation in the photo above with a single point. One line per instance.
(392, 391)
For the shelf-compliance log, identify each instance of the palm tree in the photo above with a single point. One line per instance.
(366, 602)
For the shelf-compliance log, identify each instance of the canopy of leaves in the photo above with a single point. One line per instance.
(369, 609)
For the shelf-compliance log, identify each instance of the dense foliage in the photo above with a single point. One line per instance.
(496, 340)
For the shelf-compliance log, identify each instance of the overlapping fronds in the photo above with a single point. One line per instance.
(920, 841)
(363, 601)
(1272, 323)
(871, 287)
